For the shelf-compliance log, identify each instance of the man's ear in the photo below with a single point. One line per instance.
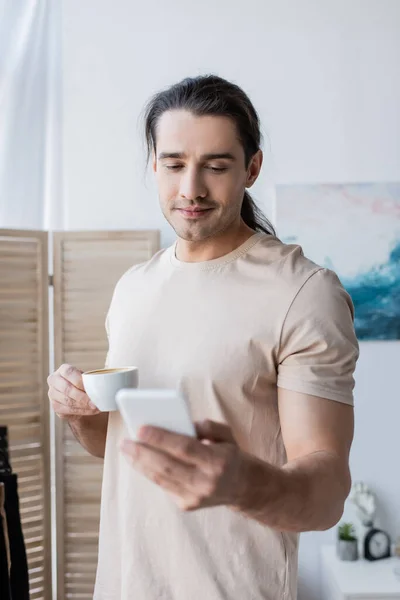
(154, 161)
(254, 168)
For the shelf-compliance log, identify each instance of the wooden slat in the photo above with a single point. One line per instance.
(24, 363)
(87, 265)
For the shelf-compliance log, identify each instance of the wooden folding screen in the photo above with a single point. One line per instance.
(24, 366)
(87, 266)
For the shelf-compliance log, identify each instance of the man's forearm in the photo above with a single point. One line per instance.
(91, 433)
(306, 494)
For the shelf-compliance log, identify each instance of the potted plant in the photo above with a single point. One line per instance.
(347, 543)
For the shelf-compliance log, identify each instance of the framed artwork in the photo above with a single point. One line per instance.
(353, 229)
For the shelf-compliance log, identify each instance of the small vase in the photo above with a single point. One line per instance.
(347, 550)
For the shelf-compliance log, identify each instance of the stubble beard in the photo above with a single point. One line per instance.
(200, 232)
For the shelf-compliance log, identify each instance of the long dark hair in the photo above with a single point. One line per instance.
(212, 95)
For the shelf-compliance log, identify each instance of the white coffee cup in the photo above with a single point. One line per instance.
(102, 385)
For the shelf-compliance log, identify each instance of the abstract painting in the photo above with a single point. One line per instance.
(353, 229)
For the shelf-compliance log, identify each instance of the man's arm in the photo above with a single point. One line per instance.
(71, 403)
(91, 432)
(309, 491)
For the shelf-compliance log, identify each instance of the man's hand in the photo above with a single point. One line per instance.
(70, 402)
(307, 493)
(197, 473)
(67, 394)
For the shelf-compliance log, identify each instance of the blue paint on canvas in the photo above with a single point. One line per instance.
(354, 230)
(376, 297)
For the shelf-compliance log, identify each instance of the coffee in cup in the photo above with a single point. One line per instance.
(102, 385)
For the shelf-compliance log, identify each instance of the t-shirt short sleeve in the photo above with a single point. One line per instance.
(318, 347)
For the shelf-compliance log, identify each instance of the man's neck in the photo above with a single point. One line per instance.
(214, 247)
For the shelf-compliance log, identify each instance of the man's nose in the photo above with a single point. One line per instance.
(192, 185)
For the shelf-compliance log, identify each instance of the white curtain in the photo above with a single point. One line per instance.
(30, 115)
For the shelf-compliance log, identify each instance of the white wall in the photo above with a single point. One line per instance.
(325, 78)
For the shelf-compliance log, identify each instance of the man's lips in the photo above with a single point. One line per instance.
(194, 212)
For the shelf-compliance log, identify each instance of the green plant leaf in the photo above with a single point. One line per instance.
(347, 532)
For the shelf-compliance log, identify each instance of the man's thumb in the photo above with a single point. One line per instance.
(215, 432)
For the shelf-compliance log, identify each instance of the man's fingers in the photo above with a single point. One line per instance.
(73, 375)
(183, 447)
(63, 409)
(214, 431)
(73, 404)
(71, 394)
(162, 469)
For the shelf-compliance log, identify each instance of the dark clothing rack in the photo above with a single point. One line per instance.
(14, 577)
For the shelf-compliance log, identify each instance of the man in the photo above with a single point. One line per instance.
(261, 342)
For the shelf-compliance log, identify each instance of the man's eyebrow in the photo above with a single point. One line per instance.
(217, 155)
(211, 156)
(170, 155)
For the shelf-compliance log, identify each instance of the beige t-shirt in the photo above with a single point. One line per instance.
(227, 332)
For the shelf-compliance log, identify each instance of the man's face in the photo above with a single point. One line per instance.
(201, 173)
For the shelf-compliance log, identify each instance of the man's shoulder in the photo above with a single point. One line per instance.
(134, 274)
(286, 263)
(292, 274)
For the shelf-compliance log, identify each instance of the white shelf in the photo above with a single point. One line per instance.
(359, 580)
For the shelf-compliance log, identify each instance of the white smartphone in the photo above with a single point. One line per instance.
(158, 407)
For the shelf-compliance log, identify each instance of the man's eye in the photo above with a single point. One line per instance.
(173, 167)
(217, 169)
